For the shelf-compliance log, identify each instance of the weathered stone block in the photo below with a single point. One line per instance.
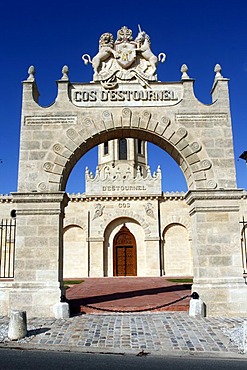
(17, 325)
(61, 310)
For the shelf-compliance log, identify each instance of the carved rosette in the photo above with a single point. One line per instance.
(206, 164)
(126, 112)
(106, 114)
(182, 131)
(71, 133)
(42, 187)
(48, 166)
(57, 148)
(196, 147)
(87, 121)
(211, 184)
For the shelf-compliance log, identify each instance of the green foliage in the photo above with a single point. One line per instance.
(73, 282)
(181, 280)
(69, 283)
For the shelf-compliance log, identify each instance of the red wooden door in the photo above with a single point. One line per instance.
(124, 253)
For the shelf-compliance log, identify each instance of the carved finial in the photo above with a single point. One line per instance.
(87, 173)
(31, 72)
(65, 72)
(184, 70)
(217, 70)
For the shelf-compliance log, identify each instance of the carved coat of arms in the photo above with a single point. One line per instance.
(125, 59)
(125, 48)
(126, 53)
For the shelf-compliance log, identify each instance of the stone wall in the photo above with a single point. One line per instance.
(142, 217)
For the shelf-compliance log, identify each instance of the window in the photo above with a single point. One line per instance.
(106, 148)
(122, 149)
(140, 146)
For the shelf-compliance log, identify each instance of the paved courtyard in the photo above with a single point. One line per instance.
(128, 294)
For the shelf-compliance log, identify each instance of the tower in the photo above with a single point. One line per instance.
(123, 169)
(125, 154)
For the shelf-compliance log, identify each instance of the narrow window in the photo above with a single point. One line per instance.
(140, 146)
(106, 148)
(122, 148)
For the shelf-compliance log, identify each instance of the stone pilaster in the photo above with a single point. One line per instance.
(38, 278)
(96, 257)
(152, 256)
(218, 275)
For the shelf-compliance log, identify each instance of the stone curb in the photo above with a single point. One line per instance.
(121, 352)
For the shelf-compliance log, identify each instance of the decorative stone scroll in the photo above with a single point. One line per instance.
(149, 210)
(98, 211)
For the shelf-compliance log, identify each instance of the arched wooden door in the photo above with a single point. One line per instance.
(124, 253)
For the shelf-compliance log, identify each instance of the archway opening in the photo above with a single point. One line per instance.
(173, 179)
(93, 209)
(172, 151)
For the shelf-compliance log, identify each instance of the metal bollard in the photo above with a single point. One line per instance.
(197, 307)
(17, 325)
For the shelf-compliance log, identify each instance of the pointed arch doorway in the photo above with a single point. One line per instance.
(124, 253)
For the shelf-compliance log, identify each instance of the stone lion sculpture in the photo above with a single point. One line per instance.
(106, 49)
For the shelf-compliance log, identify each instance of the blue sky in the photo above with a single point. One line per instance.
(50, 34)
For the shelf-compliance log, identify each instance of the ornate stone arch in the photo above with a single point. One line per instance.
(73, 221)
(162, 130)
(180, 220)
(136, 217)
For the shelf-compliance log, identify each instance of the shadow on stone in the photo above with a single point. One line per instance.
(37, 331)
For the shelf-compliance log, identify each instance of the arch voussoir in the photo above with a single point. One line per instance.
(144, 119)
(126, 117)
(176, 219)
(152, 124)
(180, 134)
(75, 138)
(108, 120)
(187, 151)
(168, 132)
(62, 150)
(74, 221)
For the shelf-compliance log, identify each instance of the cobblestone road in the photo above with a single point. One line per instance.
(123, 332)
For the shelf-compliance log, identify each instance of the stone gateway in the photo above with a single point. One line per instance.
(123, 224)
